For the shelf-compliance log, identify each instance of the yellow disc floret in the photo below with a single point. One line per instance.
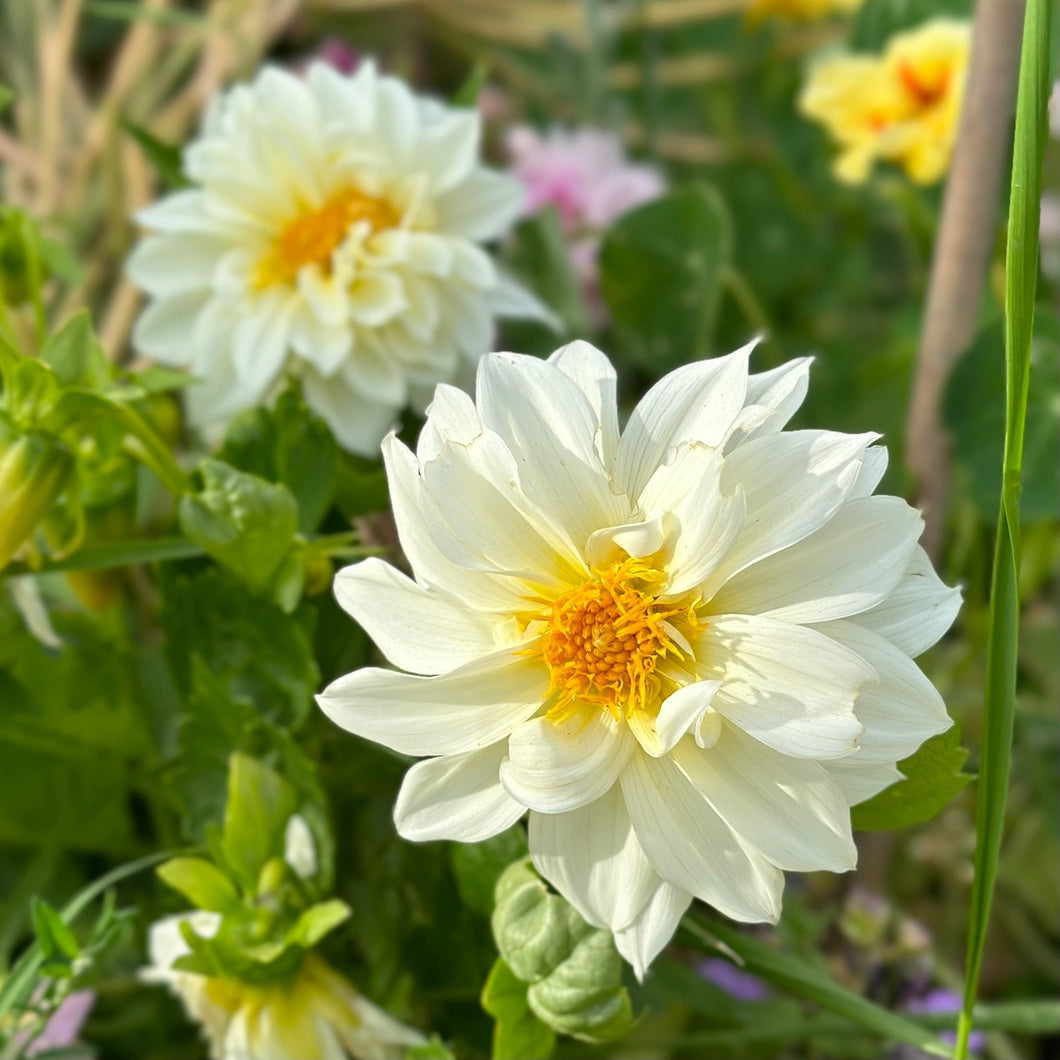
(603, 640)
(311, 238)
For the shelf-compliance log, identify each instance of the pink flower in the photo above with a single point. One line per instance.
(62, 1029)
(585, 174)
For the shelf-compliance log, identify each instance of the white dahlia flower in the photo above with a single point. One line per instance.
(314, 1015)
(686, 648)
(332, 233)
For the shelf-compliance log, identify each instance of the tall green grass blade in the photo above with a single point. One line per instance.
(1000, 693)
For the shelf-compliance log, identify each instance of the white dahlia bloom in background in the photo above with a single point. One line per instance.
(685, 648)
(316, 1015)
(332, 233)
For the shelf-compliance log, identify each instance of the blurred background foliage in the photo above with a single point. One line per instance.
(114, 741)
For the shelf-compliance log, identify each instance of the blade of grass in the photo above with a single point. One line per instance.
(794, 976)
(1000, 693)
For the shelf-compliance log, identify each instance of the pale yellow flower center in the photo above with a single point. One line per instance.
(603, 640)
(311, 238)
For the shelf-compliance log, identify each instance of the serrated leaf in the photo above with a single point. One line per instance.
(517, 1032)
(201, 882)
(661, 268)
(933, 778)
(242, 521)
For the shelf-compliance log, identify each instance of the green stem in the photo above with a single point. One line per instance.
(742, 294)
(1021, 275)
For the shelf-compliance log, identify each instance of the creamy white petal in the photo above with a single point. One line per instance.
(861, 780)
(417, 629)
(899, 711)
(772, 399)
(680, 712)
(464, 710)
(556, 766)
(595, 376)
(591, 856)
(847, 566)
(644, 939)
(789, 808)
(694, 403)
(171, 264)
(260, 341)
(550, 428)
(512, 300)
(919, 611)
(873, 468)
(790, 687)
(458, 797)
(164, 329)
(693, 848)
(357, 423)
(793, 484)
(449, 148)
(480, 207)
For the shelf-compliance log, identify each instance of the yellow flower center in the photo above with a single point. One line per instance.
(603, 640)
(312, 238)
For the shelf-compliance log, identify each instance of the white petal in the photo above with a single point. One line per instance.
(458, 797)
(902, 709)
(918, 612)
(790, 687)
(694, 403)
(481, 207)
(417, 629)
(860, 781)
(358, 424)
(259, 342)
(708, 520)
(644, 939)
(416, 515)
(772, 399)
(512, 301)
(613, 544)
(488, 523)
(591, 856)
(594, 375)
(449, 147)
(451, 416)
(680, 712)
(551, 430)
(692, 848)
(464, 710)
(375, 298)
(180, 211)
(164, 329)
(556, 766)
(793, 484)
(847, 566)
(165, 942)
(789, 808)
(169, 264)
(873, 468)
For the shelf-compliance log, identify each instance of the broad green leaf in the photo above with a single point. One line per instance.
(201, 882)
(933, 777)
(661, 268)
(242, 521)
(478, 866)
(75, 355)
(517, 1033)
(259, 803)
(976, 417)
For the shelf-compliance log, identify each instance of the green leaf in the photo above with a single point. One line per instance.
(242, 521)
(75, 354)
(467, 94)
(977, 420)
(316, 922)
(288, 444)
(7, 94)
(1021, 277)
(434, 1049)
(517, 1032)
(478, 866)
(661, 271)
(540, 255)
(201, 882)
(55, 939)
(933, 778)
(260, 802)
(166, 158)
(574, 970)
(361, 486)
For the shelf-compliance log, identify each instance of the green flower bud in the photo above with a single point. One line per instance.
(35, 468)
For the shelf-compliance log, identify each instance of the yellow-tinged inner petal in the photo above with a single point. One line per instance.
(603, 640)
(311, 238)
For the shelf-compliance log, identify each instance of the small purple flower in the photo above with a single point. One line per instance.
(61, 1031)
(945, 1001)
(739, 984)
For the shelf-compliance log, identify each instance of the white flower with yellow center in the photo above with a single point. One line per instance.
(685, 648)
(332, 232)
(315, 1015)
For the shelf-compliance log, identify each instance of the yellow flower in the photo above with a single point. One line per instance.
(802, 10)
(902, 107)
(316, 1015)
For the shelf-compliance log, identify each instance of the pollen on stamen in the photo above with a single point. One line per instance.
(602, 641)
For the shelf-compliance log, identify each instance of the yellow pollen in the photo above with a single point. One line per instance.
(312, 237)
(603, 640)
